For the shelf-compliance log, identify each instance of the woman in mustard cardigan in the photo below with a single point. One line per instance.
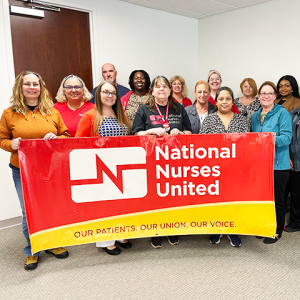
(30, 116)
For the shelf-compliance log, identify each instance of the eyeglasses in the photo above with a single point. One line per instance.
(215, 79)
(71, 87)
(31, 84)
(107, 93)
(267, 94)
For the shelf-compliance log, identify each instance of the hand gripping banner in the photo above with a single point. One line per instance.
(83, 190)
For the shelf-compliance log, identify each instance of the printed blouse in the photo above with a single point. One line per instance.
(111, 127)
(213, 124)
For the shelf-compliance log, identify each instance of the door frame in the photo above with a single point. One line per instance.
(92, 11)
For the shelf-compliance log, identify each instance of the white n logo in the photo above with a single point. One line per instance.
(108, 174)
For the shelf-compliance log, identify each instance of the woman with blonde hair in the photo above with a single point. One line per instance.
(107, 118)
(201, 107)
(73, 101)
(179, 91)
(30, 116)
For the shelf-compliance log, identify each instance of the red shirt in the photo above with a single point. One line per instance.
(72, 117)
(233, 108)
(185, 101)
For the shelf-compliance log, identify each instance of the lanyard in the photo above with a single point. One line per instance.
(165, 125)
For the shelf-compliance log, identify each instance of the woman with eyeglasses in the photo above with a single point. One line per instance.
(214, 80)
(107, 118)
(161, 116)
(72, 101)
(224, 120)
(275, 118)
(30, 116)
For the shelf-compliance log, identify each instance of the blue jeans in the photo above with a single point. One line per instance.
(17, 181)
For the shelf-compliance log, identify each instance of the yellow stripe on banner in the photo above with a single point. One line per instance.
(245, 218)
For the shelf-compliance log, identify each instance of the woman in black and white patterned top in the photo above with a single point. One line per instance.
(224, 121)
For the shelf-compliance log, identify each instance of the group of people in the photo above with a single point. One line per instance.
(159, 107)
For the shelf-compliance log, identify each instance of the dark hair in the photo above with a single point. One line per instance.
(223, 88)
(151, 100)
(292, 80)
(271, 84)
(146, 75)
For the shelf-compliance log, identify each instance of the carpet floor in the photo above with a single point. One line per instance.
(194, 269)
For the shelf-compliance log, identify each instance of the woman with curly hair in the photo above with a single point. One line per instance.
(139, 82)
(72, 101)
(30, 116)
(179, 91)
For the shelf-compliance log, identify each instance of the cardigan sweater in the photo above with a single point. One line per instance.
(33, 125)
(290, 104)
(86, 124)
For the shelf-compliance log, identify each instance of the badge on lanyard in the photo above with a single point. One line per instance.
(166, 125)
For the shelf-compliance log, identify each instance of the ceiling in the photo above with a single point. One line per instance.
(196, 8)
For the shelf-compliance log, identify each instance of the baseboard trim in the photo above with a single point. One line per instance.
(10, 222)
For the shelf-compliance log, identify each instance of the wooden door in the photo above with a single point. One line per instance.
(55, 46)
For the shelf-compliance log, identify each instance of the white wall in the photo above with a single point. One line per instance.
(9, 204)
(261, 42)
(132, 37)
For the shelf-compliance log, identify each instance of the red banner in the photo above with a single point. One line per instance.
(82, 190)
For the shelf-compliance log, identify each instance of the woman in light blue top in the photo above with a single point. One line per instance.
(275, 118)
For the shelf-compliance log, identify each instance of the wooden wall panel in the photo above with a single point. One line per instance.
(55, 46)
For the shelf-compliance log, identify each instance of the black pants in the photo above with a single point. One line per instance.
(295, 198)
(280, 180)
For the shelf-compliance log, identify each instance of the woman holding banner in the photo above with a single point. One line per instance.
(30, 116)
(161, 116)
(272, 117)
(224, 120)
(107, 118)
